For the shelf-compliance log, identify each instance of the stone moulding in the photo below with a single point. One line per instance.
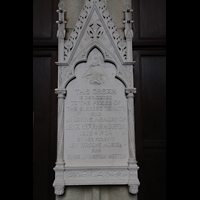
(82, 57)
(95, 30)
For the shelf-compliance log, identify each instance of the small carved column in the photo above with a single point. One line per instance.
(131, 129)
(132, 163)
(60, 164)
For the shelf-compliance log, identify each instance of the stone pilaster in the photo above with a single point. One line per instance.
(131, 129)
(132, 163)
(60, 164)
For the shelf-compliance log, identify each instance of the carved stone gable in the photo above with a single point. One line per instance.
(95, 24)
(94, 32)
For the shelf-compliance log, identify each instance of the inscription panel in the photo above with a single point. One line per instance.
(96, 129)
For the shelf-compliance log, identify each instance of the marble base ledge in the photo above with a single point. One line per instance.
(97, 176)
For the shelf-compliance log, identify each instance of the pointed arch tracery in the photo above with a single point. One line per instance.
(82, 57)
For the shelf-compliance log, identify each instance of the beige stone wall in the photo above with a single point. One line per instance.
(115, 8)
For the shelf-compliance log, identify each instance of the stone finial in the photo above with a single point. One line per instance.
(61, 5)
(128, 20)
(61, 22)
(128, 30)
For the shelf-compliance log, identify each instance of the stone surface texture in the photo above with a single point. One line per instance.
(96, 134)
(97, 193)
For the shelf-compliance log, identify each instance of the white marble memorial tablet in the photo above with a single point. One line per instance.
(96, 137)
(96, 125)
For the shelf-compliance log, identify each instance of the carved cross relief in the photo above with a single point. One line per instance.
(95, 134)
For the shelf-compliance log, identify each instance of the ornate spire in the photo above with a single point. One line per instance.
(128, 30)
(61, 22)
(61, 31)
(128, 20)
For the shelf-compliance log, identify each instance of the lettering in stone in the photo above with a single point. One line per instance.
(95, 91)
(96, 118)
(95, 68)
(97, 155)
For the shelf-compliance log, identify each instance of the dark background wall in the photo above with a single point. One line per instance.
(150, 101)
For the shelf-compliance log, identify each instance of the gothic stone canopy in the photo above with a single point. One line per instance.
(96, 137)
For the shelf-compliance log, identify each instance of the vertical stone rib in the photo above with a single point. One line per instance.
(133, 180)
(60, 135)
(59, 168)
(131, 128)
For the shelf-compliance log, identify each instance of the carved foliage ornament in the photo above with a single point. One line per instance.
(96, 30)
(97, 173)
